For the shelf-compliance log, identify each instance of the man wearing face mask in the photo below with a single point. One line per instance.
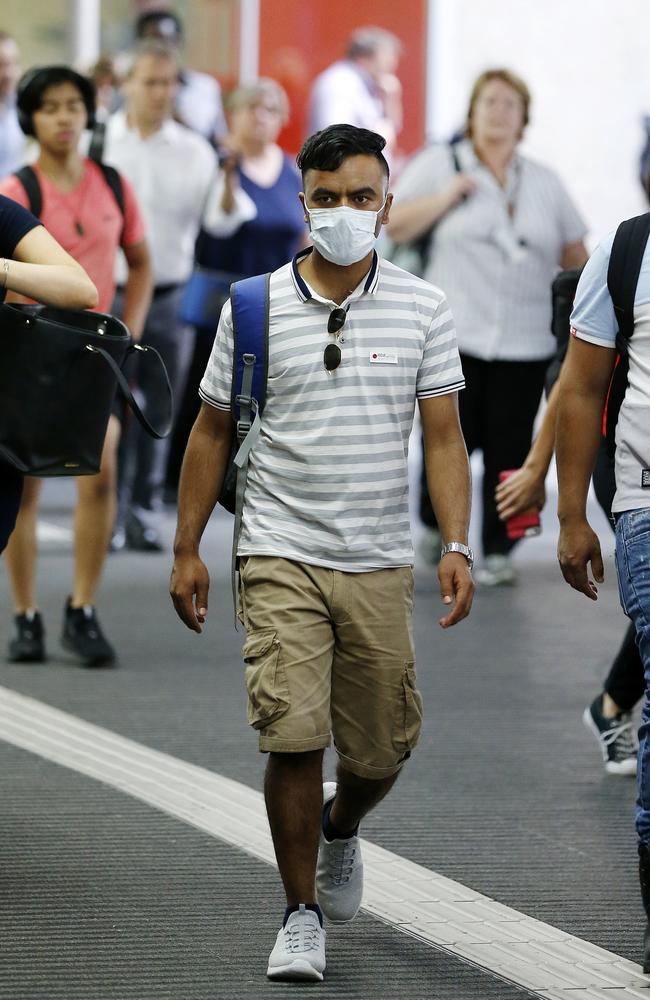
(325, 552)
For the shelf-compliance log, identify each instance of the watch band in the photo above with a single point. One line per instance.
(461, 548)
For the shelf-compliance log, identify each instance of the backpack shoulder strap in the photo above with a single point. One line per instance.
(250, 321)
(249, 300)
(453, 149)
(623, 272)
(97, 141)
(29, 180)
(114, 181)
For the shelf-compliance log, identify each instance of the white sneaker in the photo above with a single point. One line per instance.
(299, 951)
(339, 873)
(496, 571)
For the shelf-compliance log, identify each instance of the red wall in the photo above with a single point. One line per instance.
(299, 38)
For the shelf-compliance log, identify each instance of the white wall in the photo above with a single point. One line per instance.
(587, 63)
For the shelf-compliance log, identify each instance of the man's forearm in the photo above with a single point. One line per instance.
(450, 487)
(578, 434)
(202, 475)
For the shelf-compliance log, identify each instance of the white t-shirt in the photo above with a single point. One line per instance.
(327, 479)
(593, 319)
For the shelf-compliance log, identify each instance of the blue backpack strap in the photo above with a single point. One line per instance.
(249, 299)
(250, 320)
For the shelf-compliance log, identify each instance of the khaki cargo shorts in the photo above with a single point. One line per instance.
(330, 654)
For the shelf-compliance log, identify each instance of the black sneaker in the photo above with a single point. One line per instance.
(29, 644)
(82, 636)
(616, 736)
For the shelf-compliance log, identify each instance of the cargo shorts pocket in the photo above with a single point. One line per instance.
(408, 715)
(266, 682)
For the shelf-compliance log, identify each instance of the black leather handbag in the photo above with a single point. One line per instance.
(59, 371)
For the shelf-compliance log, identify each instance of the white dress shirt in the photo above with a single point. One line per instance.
(176, 178)
(344, 94)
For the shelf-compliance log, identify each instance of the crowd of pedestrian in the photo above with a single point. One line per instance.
(145, 193)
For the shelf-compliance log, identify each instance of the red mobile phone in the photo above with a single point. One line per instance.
(522, 525)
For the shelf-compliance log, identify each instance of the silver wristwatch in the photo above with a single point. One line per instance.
(458, 547)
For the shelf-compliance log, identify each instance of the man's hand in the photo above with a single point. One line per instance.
(521, 492)
(456, 587)
(578, 545)
(189, 585)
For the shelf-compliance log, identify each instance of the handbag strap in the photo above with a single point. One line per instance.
(128, 395)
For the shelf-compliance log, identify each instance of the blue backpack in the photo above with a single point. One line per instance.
(249, 299)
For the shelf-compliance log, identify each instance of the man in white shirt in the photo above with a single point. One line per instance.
(12, 139)
(361, 89)
(198, 98)
(175, 175)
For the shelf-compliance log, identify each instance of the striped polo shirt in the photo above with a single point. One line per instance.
(327, 480)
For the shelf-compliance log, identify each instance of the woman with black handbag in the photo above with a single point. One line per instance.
(32, 263)
(92, 211)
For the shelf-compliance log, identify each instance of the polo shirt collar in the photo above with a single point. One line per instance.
(367, 285)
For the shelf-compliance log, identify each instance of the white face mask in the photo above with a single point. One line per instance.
(343, 235)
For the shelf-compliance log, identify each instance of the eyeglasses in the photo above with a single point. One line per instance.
(332, 353)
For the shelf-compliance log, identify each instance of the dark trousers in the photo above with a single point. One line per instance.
(625, 682)
(142, 459)
(188, 408)
(497, 411)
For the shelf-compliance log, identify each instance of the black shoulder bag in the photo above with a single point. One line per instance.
(59, 370)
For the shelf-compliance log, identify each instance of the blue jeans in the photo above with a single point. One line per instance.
(633, 567)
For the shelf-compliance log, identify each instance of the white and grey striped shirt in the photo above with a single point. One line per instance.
(327, 481)
(497, 252)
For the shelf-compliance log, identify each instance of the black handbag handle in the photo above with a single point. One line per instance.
(128, 395)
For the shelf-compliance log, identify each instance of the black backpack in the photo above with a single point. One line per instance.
(623, 273)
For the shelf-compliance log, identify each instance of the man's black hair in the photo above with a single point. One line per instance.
(154, 17)
(327, 149)
(33, 84)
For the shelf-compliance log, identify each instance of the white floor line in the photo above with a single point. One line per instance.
(413, 899)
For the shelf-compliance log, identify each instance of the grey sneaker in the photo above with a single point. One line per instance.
(299, 950)
(617, 737)
(339, 872)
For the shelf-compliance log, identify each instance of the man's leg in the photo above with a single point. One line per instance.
(355, 797)
(293, 790)
(609, 715)
(632, 554)
(376, 719)
(288, 657)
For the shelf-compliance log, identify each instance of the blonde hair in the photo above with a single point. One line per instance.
(254, 93)
(506, 76)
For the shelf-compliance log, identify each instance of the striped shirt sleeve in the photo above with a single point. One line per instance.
(440, 371)
(215, 387)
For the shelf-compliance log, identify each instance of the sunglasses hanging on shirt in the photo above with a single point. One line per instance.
(332, 353)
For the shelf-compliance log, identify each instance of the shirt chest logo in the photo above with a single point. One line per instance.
(382, 358)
